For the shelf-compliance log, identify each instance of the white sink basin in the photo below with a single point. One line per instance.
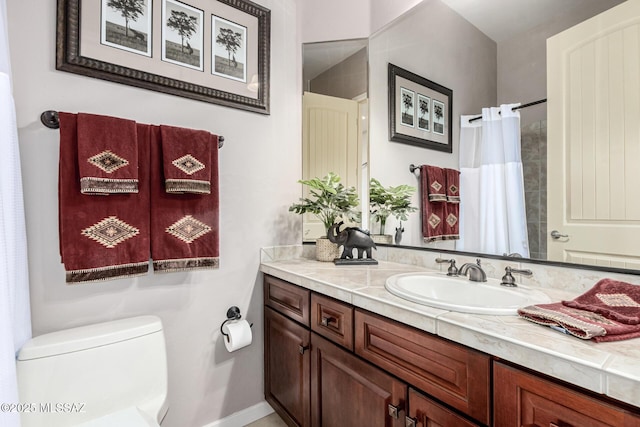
(460, 294)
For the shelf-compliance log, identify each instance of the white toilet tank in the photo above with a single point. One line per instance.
(76, 375)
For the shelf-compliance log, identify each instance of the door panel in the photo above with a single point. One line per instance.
(329, 144)
(594, 140)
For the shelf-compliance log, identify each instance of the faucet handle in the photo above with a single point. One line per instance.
(509, 280)
(452, 270)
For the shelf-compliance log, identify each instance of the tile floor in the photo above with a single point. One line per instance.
(272, 420)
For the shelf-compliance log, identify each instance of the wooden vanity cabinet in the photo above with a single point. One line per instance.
(524, 399)
(328, 364)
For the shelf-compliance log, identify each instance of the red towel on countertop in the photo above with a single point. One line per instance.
(440, 218)
(610, 311)
(107, 154)
(186, 156)
(184, 227)
(100, 237)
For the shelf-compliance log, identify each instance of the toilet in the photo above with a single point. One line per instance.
(106, 374)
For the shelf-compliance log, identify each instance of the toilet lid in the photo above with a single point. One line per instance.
(130, 417)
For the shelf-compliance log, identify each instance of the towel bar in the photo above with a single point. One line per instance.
(51, 120)
(413, 168)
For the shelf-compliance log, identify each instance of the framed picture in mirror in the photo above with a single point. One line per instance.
(419, 111)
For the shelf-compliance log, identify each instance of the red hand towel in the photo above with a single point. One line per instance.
(184, 227)
(436, 183)
(453, 185)
(615, 300)
(107, 154)
(433, 212)
(100, 237)
(580, 323)
(440, 220)
(186, 156)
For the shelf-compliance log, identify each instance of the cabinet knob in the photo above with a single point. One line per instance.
(303, 348)
(410, 422)
(394, 411)
(326, 320)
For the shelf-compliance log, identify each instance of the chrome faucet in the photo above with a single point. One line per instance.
(476, 273)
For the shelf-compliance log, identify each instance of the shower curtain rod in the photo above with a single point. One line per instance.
(515, 108)
(51, 120)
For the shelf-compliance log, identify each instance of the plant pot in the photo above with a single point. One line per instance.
(382, 238)
(326, 251)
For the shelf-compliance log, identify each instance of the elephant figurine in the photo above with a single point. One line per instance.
(350, 238)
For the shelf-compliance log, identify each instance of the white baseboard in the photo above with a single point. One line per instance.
(244, 417)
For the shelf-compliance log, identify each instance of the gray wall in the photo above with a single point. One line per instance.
(436, 43)
(522, 60)
(256, 187)
(346, 79)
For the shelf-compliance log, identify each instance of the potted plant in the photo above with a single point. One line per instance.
(328, 200)
(384, 202)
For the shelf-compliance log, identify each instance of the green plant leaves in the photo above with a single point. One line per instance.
(329, 200)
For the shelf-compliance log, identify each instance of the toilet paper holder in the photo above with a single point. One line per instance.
(233, 313)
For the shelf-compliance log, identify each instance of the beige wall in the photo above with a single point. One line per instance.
(256, 187)
(438, 44)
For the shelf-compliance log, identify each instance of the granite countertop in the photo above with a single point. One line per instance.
(611, 368)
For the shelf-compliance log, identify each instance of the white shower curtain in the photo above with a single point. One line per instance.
(15, 316)
(492, 203)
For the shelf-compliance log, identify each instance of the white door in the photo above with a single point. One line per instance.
(329, 144)
(593, 119)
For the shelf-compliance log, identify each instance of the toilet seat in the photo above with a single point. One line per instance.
(130, 417)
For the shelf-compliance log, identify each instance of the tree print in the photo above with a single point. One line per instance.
(437, 111)
(407, 101)
(130, 10)
(183, 24)
(231, 41)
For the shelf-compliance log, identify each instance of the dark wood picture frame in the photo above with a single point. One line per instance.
(404, 81)
(69, 58)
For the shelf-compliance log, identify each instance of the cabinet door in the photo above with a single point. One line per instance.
(287, 368)
(452, 373)
(522, 399)
(424, 412)
(346, 391)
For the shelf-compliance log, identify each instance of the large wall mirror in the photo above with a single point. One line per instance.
(488, 53)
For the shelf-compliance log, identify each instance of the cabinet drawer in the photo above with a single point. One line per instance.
(424, 412)
(288, 299)
(332, 319)
(523, 399)
(454, 374)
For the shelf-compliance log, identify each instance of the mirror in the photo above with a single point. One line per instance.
(335, 111)
(486, 59)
